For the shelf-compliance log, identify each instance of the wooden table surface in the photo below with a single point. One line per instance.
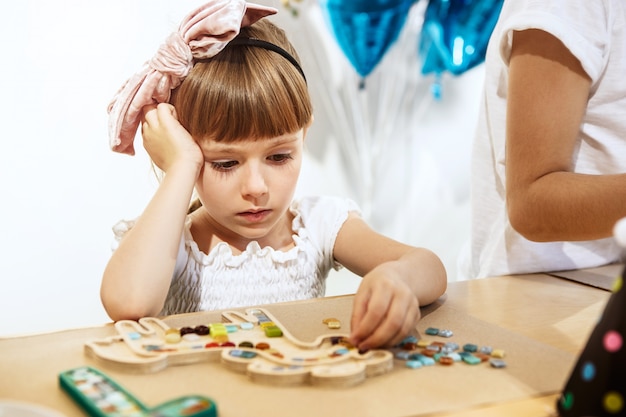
(554, 311)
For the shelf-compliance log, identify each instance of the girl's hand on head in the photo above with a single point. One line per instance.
(385, 310)
(166, 140)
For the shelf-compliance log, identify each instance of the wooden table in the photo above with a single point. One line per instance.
(556, 312)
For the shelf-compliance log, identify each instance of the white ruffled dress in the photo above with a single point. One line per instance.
(222, 280)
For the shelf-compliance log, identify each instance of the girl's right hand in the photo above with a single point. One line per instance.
(166, 140)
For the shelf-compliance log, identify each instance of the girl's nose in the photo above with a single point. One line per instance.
(254, 183)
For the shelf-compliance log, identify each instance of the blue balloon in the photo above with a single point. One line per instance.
(365, 29)
(455, 34)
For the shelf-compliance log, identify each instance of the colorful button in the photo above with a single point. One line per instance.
(470, 347)
(231, 328)
(332, 323)
(273, 331)
(498, 353)
(202, 330)
(414, 364)
(497, 363)
(262, 346)
(218, 329)
(446, 360)
(246, 326)
(191, 337)
(432, 331)
(470, 359)
(172, 336)
(186, 330)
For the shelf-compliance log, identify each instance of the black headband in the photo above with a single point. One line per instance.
(269, 46)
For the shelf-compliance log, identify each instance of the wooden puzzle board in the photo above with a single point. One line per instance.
(533, 368)
(249, 341)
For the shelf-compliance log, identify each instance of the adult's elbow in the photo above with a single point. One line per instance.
(526, 222)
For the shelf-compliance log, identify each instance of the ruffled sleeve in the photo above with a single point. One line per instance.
(320, 218)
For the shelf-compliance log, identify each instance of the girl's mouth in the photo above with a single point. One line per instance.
(255, 216)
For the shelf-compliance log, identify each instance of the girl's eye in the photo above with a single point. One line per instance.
(281, 157)
(223, 165)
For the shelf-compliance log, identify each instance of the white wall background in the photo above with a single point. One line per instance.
(62, 188)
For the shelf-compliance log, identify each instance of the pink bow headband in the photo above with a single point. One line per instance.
(203, 33)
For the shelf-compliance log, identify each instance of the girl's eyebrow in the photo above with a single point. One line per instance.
(217, 147)
(284, 140)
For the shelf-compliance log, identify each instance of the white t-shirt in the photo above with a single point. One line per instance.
(594, 32)
(221, 279)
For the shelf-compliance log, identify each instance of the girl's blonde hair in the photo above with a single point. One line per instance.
(245, 92)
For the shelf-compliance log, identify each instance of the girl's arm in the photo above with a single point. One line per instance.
(138, 275)
(547, 99)
(397, 280)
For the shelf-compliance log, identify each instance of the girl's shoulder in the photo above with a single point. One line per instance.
(320, 218)
(313, 206)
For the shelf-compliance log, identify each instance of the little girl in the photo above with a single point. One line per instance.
(232, 131)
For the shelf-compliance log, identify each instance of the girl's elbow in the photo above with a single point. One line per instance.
(120, 312)
(124, 308)
(442, 285)
(441, 278)
(438, 280)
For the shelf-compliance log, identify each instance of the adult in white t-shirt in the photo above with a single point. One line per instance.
(549, 159)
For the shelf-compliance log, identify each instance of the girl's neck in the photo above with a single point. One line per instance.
(207, 234)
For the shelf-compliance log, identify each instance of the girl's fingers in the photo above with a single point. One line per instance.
(386, 323)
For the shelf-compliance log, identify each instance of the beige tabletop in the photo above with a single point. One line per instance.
(542, 321)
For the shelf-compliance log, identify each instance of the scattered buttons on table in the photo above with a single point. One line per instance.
(419, 352)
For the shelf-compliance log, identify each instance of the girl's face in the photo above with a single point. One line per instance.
(246, 187)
